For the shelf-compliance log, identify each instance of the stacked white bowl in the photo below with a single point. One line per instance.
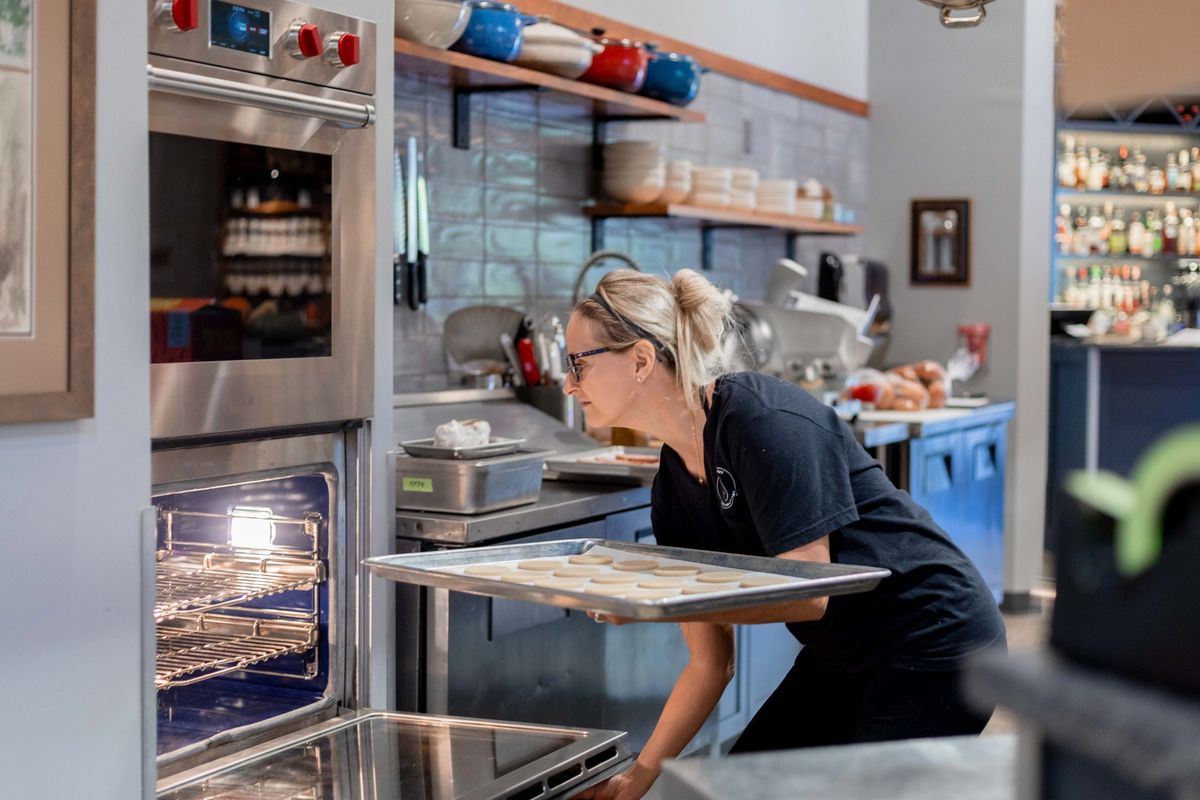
(810, 199)
(743, 185)
(710, 186)
(776, 196)
(679, 182)
(634, 171)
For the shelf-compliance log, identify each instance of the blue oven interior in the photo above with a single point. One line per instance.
(242, 603)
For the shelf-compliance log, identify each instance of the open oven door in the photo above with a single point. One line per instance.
(373, 755)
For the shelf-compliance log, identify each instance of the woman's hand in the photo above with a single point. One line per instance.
(630, 785)
(610, 619)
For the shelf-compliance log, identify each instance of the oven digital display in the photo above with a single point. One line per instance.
(241, 28)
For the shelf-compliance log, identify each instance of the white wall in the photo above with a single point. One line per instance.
(967, 113)
(823, 42)
(70, 590)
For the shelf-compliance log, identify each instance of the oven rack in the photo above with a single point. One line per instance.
(195, 649)
(187, 584)
(309, 524)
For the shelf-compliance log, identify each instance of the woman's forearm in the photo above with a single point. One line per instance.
(694, 696)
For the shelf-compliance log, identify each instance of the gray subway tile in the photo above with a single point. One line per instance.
(509, 133)
(510, 242)
(509, 279)
(456, 240)
(511, 168)
(447, 163)
(556, 280)
(562, 246)
(564, 178)
(554, 211)
(453, 278)
(510, 205)
(455, 201)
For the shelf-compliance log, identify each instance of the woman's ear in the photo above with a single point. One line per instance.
(644, 359)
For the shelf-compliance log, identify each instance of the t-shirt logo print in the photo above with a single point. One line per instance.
(726, 488)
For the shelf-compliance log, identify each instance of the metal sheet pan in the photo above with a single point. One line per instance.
(498, 446)
(576, 466)
(444, 569)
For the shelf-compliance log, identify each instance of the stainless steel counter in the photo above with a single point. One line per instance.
(560, 504)
(982, 768)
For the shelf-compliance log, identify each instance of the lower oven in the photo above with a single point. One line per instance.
(258, 544)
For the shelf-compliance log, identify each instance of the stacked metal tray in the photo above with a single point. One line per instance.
(595, 575)
(497, 446)
(607, 464)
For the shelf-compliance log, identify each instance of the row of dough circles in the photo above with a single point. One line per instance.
(636, 579)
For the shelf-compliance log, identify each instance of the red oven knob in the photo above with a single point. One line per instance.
(179, 15)
(342, 49)
(304, 40)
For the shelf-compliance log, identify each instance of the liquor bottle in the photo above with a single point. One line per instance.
(1082, 167)
(1172, 173)
(1196, 169)
(1118, 241)
(1158, 180)
(1170, 233)
(1081, 244)
(1185, 171)
(1097, 232)
(1066, 163)
(1154, 234)
(1139, 176)
(1097, 170)
(1137, 234)
(1187, 232)
(1063, 232)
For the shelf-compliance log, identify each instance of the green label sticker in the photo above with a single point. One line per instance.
(417, 485)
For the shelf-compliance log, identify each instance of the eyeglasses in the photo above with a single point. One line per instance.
(573, 365)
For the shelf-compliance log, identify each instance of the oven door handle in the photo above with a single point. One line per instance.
(348, 115)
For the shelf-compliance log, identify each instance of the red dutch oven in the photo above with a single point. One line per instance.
(621, 64)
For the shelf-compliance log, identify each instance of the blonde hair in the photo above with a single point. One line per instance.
(684, 318)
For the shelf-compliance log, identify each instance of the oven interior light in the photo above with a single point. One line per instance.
(251, 527)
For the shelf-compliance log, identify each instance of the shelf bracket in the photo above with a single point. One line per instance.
(462, 107)
(706, 247)
(598, 233)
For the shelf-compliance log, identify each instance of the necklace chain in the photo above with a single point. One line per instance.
(696, 445)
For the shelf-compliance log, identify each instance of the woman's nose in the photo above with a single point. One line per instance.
(569, 387)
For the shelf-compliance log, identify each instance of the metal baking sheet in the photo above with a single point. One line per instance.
(425, 448)
(581, 465)
(444, 569)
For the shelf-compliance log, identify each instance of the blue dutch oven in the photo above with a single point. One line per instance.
(673, 77)
(494, 31)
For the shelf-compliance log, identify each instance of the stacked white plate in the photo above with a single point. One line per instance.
(710, 186)
(679, 182)
(776, 196)
(634, 171)
(743, 185)
(810, 207)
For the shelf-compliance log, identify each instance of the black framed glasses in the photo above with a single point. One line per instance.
(573, 365)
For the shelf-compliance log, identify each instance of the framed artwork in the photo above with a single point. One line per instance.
(47, 211)
(940, 242)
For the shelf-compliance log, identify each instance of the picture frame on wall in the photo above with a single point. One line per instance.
(940, 242)
(47, 209)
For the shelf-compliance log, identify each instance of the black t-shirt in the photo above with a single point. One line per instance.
(783, 471)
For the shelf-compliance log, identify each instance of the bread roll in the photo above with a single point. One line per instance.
(937, 394)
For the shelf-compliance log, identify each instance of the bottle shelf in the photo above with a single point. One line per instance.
(1127, 259)
(1109, 194)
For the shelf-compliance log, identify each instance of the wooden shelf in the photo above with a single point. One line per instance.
(725, 216)
(471, 73)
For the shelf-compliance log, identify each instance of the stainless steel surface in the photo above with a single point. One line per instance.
(451, 397)
(560, 503)
(351, 115)
(498, 446)
(588, 464)
(195, 648)
(226, 396)
(198, 468)
(822, 337)
(374, 755)
(508, 416)
(468, 487)
(194, 46)
(981, 768)
(818, 580)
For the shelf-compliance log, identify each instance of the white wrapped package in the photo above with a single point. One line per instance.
(464, 433)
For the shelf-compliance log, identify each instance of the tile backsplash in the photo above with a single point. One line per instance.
(506, 220)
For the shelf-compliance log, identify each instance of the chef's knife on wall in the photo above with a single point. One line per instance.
(422, 234)
(410, 220)
(399, 228)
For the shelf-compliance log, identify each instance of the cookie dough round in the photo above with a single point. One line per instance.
(486, 570)
(540, 565)
(706, 588)
(635, 565)
(663, 583)
(607, 590)
(576, 572)
(570, 584)
(677, 571)
(764, 580)
(651, 594)
(584, 559)
(523, 577)
(615, 578)
(720, 576)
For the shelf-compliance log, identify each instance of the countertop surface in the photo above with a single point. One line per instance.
(981, 768)
(560, 503)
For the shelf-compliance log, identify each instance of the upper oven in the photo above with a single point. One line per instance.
(262, 209)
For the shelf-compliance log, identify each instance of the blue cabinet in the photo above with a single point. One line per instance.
(958, 476)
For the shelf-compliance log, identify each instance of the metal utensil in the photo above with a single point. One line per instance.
(410, 217)
(422, 234)
(399, 228)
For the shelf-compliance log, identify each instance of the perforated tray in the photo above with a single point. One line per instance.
(445, 569)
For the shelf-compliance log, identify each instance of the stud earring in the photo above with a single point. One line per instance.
(641, 378)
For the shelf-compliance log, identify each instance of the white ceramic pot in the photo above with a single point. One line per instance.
(436, 23)
(552, 48)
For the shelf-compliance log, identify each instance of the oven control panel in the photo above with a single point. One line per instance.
(270, 37)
